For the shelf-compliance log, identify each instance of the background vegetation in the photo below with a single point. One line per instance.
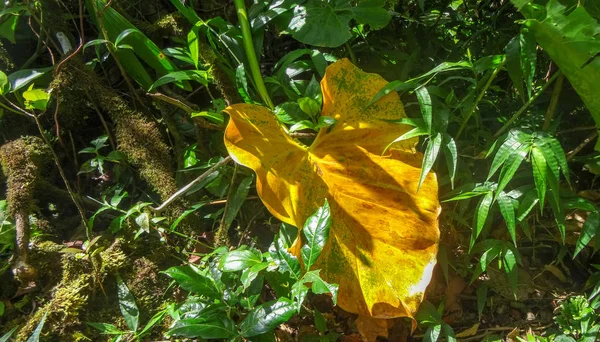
(125, 219)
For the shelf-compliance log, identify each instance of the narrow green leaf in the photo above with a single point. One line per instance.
(433, 333)
(237, 200)
(488, 256)
(267, 317)
(241, 82)
(509, 261)
(199, 76)
(508, 212)
(6, 336)
(238, 260)
(35, 336)
(193, 43)
(105, 328)
(413, 133)
(510, 146)
(425, 106)
(316, 232)
(152, 322)
(482, 294)
(539, 174)
(528, 57)
(451, 156)
(528, 202)
(550, 143)
(127, 305)
(511, 166)
(483, 209)
(431, 153)
(588, 231)
(513, 65)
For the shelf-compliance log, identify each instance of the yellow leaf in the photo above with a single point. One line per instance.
(384, 235)
(469, 332)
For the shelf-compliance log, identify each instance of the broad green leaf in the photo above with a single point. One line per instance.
(425, 106)
(431, 154)
(508, 212)
(36, 98)
(304, 124)
(433, 333)
(4, 84)
(267, 317)
(127, 305)
(191, 280)
(309, 106)
(569, 36)
(8, 27)
(290, 113)
(199, 76)
(215, 326)
(319, 286)
(286, 261)
(590, 229)
(539, 173)
(326, 24)
(238, 260)
(35, 336)
(251, 273)
(316, 232)
(372, 230)
(24, 77)
(325, 122)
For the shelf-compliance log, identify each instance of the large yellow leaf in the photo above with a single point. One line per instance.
(384, 235)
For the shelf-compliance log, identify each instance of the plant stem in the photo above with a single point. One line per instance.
(190, 184)
(525, 106)
(479, 97)
(553, 102)
(222, 235)
(251, 53)
(351, 54)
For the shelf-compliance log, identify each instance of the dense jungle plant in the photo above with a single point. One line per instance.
(138, 137)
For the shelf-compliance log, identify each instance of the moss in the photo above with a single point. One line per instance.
(223, 81)
(21, 160)
(6, 63)
(70, 90)
(169, 25)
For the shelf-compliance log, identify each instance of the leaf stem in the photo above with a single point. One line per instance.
(525, 106)
(479, 98)
(251, 53)
(553, 102)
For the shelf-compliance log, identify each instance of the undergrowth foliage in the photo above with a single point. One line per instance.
(126, 216)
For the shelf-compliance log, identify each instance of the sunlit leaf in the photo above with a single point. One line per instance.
(379, 221)
(127, 304)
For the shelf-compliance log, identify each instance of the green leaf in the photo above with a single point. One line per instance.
(267, 317)
(432, 334)
(36, 98)
(290, 113)
(551, 146)
(482, 294)
(322, 24)
(304, 124)
(319, 286)
(191, 280)
(4, 85)
(539, 173)
(241, 82)
(199, 76)
(527, 204)
(372, 13)
(528, 57)
(513, 65)
(488, 256)
(238, 260)
(215, 326)
(309, 106)
(215, 117)
(511, 166)
(193, 43)
(425, 106)
(483, 209)
(105, 328)
(413, 133)
(35, 336)
(23, 78)
(431, 153)
(509, 261)
(8, 27)
(237, 200)
(251, 273)
(286, 261)
(316, 232)
(451, 156)
(507, 210)
(325, 122)
(152, 322)
(5, 337)
(588, 231)
(127, 305)
(512, 143)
